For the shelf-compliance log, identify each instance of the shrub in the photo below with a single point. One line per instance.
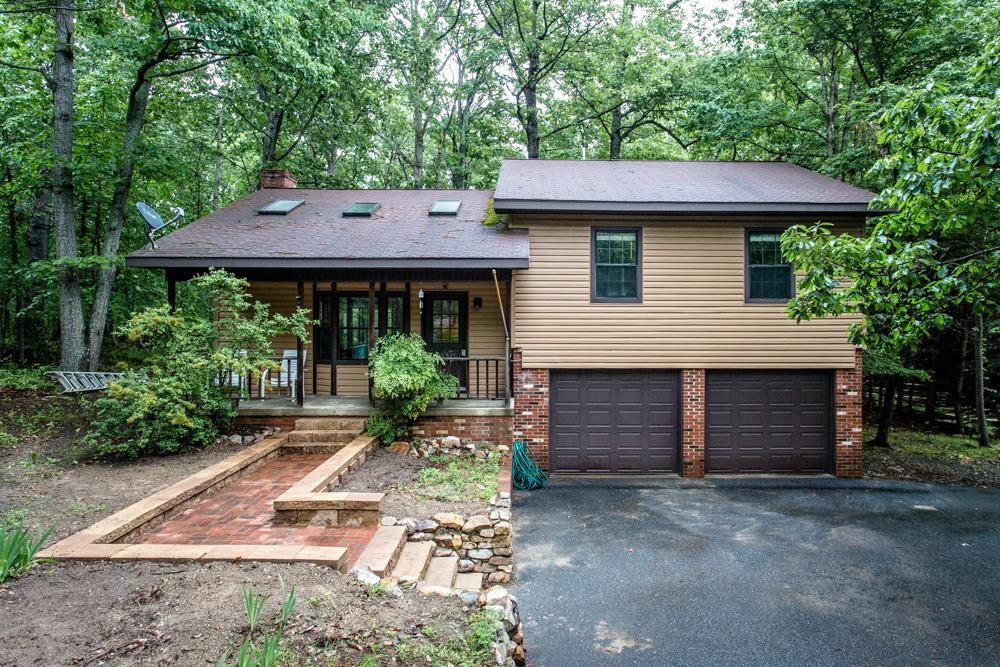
(407, 378)
(26, 379)
(176, 402)
(18, 549)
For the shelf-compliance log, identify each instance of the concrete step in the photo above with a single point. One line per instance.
(468, 581)
(383, 551)
(331, 424)
(441, 571)
(305, 435)
(313, 447)
(413, 562)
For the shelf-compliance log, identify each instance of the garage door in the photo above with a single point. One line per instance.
(613, 421)
(760, 422)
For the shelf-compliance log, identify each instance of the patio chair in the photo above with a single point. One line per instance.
(289, 374)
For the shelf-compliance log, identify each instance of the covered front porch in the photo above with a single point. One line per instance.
(462, 315)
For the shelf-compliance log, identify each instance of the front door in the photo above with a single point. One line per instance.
(445, 327)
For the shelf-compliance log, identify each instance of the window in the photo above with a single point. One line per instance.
(445, 321)
(769, 275)
(351, 313)
(616, 261)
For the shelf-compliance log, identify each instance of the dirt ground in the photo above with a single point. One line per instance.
(388, 473)
(929, 456)
(146, 613)
(143, 613)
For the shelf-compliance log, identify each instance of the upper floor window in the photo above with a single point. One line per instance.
(769, 275)
(616, 264)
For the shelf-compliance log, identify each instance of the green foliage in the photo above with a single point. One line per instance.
(261, 648)
(26, 379)
(881, 364)
(454, 478)
(175, 401)
(406, 378)
(18, 549)
(470, 649)
(941, 446)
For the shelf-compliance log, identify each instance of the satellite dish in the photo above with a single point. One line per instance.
(154, 222)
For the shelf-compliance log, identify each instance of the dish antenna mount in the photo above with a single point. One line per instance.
(154, 222)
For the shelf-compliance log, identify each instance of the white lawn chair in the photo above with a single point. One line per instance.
(289, 374)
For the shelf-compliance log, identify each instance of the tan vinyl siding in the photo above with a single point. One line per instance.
(486, 337)
(692, 315)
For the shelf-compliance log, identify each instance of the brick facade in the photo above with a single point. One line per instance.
(481, 429)
(531, 409)
(693, 422)
(847, 419)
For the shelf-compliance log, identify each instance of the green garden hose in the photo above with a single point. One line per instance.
(524, 472)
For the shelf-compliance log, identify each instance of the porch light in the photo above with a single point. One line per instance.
(477, 303)
(420, 301)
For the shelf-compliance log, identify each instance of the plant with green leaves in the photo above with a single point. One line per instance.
(19, 548)
(407, 378)
(176, 401)
(267, 652)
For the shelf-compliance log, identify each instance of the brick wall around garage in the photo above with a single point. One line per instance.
(531, 409)
(693, 422)
(847, 418)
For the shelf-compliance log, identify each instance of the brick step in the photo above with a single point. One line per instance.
(312, 447)
(321, 436)
(383, 551)
(441, 571)
(413, 562)
(330, 424)
(468, 581)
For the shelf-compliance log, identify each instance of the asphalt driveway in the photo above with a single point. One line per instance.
(758, 572)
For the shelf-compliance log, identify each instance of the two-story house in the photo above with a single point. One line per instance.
(617, 316)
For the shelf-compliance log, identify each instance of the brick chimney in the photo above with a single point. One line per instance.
(276, 178)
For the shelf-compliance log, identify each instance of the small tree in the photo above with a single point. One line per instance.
(177, 400)
(406, 378)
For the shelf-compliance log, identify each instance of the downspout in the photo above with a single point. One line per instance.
(506, 341)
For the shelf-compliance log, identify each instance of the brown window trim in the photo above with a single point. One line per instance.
(593, 265)
(746, 266)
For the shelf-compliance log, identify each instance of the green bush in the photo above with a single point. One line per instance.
(176, 401)
(18, 549)
(407, 378)
(26, 379)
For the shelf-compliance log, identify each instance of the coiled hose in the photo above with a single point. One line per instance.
(524, 472)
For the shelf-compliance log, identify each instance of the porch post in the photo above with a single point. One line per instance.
(334, 333)
(315, 301)
(506, 348)
(300, 384)
(371, 334)
(172, 293)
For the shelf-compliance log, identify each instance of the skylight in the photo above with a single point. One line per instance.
(361, 210)
(281, 207)
(445, 207)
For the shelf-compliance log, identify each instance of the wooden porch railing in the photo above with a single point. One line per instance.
(480, 377)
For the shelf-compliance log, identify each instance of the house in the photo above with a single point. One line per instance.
(645, 303)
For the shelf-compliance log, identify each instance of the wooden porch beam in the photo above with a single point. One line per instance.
(300, 384)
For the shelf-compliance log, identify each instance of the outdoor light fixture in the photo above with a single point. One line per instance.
(420, 300)
(444, 285)
(477, 303)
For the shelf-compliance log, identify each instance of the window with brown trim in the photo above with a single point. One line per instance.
(616, 264)
(344, 323)
(769, 276)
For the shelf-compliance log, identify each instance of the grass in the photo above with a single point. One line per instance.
(470, 649)
(941, 446)
(18, 549)
(453, 478)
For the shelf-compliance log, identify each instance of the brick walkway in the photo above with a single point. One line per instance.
(241, 513)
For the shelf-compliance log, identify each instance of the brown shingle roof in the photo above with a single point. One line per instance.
(636, 186)
(315, 235)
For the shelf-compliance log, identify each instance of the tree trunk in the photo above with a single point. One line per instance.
(531, 102)
(984, 427)
(269, 140)
(70, 307)
(881, 438)
(419, 132)
(217, 181)
(135, 119)
(15, 261)
(616, 133)
(958, 383)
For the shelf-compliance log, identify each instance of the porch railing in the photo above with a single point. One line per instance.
(480, 377)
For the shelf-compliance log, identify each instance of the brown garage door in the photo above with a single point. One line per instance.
(613, 421)
(773, 421)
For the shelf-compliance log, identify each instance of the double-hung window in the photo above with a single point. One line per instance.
(769, 275)
(616, 264)
(350, 312)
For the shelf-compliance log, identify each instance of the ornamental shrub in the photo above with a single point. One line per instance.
(177, 400)
(407, 378)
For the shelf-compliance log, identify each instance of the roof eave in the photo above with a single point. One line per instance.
(154, 262)
(507, 206)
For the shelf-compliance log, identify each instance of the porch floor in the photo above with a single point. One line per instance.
(357, 406)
